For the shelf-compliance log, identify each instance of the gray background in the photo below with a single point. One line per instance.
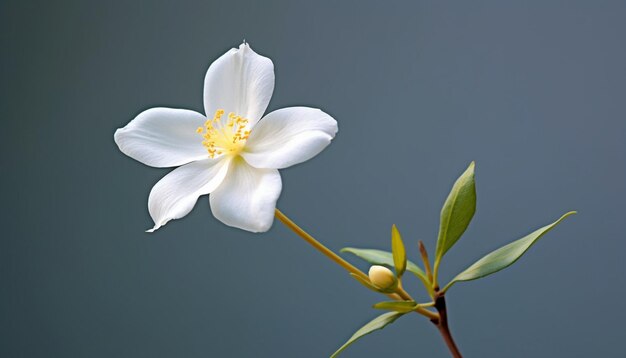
(533, 91)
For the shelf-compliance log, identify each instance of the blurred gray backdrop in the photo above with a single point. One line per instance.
(533, 91)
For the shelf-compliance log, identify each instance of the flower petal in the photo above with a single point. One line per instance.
(176, 194)
(163, 137)
(247, 197)
(289, 136)
(240, 81)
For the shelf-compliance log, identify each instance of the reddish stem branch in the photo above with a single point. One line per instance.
(442, 325)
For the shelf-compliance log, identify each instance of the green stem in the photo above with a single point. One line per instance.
(398, 296)
(421, 310)
(436, 274)
(319, 246)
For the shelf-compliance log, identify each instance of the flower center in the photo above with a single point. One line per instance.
(224, 137)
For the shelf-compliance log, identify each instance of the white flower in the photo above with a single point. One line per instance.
(231, 153)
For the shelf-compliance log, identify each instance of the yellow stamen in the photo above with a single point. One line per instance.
(224, 138)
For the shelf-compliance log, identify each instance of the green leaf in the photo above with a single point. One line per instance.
(365, 282)
(399, 253)
(377, 323)
(380, 257)
(504, 256)
(457, 212)
(398, 306)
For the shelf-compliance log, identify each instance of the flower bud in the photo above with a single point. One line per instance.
(383, 278)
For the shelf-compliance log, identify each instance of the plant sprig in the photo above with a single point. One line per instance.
(456, 215)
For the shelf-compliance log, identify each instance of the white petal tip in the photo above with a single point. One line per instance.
(155, 228)
(117, 137)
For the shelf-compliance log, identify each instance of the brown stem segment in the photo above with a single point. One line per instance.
(442, 326)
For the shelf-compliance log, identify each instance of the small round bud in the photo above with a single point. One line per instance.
(382, 277)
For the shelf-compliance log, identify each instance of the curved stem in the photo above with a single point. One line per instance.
(439, 319)
(319, 246)
(399, 296)
(419, 309)
(442, 326)
(436, 274)
(402, 293)
(324, 250)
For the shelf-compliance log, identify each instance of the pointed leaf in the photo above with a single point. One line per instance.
(457, 212)
(398, 251)
(504, 256)
(398, 306)
(377, 323)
